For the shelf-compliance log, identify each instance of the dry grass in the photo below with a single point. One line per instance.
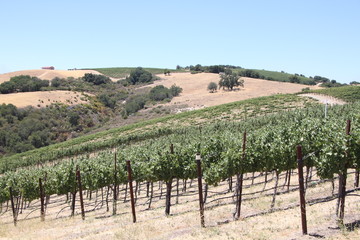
(196, 95)
(46, 74)
(184, 222)
(43, 98)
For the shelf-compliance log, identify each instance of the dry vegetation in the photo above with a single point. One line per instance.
(46, 74)
(196, 95)
(43, 98)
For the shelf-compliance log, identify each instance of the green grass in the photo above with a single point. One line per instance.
(346, 93)
(122, 72)
(278, 76)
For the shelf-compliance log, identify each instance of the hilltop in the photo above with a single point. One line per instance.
(46, 74)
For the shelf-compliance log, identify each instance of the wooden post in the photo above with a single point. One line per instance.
(78, 177)
(13, 206)
(301, 189)
(356, 183)
(168, 189)
(42, 202)
(115, 186)
(131, 190)
(201, 201)
(240, 180)
(342, 180)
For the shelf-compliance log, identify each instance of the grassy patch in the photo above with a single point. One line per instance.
(346, 93)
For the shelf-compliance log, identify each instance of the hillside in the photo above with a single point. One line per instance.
(46, 74)
(122, 72)
(346, 93)
(43, 98)
(196, 95)
(259, 217)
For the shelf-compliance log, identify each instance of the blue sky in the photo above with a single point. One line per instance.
(310, 37)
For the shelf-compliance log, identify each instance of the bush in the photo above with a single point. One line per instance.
(249, 73)
(175, 90)
(159, 93)
(212, 87)
(96, 79)
(140, 75)
(56, 82)
(23, 83)
(135, 103)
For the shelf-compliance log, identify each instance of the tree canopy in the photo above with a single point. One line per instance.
(23, 83)
(230, 80)
(140, 75)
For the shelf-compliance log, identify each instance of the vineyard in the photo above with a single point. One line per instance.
(259, 150)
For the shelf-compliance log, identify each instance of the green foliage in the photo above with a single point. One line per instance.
(331, 84)
(23, 83)
(175, 90)
(275, 76)
(56, 82)
(107, 100)
(249, 73)
(294, 79)
(242, 110)
(74, 118)
(25, 129)
(167, 72)
(135, 103)
(270, 146)
(123, 72)
(160, 93)
(230, 81)
(346, 93)
(96, 79)
(212, 87)
(140, 75)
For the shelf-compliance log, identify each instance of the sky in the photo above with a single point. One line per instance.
(310, 37)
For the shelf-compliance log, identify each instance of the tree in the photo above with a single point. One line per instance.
(167, 72)
(230, 81)
(96, 79)
(212, 87)
(159, 93)
(294, 79)
(139, 75)
(56, 82)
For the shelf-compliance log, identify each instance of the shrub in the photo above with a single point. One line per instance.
(159, 93)
(140, 75)
(175, 90)
(212, 87)
(96, 79)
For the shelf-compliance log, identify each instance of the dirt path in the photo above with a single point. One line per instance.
(324, 99)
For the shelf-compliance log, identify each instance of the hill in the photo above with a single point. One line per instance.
(46, 74)
(196, 95)
(122, 72)
(345, 93)
(43, 98)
